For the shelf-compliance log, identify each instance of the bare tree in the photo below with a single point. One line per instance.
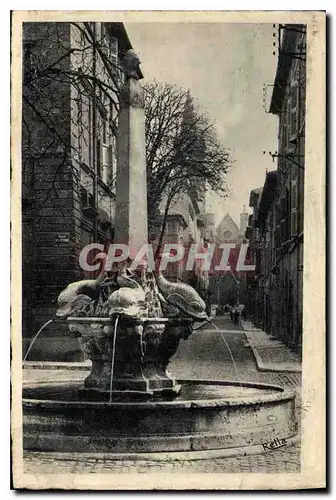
(183, 151)
(181, 145)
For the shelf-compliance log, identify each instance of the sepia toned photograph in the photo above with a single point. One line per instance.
(168, 324)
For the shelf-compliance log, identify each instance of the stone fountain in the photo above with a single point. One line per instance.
(131, 332)
(130, 324)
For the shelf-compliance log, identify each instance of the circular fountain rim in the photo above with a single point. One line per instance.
(281, 394)
(207, 454)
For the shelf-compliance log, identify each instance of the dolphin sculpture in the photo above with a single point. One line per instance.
(80, 294)
(182, 296)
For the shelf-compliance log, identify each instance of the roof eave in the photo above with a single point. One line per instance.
(283, 68)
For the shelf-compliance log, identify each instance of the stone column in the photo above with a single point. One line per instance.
(131, 184)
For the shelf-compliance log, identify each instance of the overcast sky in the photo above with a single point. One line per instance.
(225, 67)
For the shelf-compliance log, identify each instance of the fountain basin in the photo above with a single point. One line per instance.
(206, 415)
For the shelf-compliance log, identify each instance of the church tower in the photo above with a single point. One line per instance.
(243, 220)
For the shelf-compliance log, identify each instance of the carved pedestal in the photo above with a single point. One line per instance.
(130, 357)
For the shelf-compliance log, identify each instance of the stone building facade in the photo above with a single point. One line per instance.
(254, 297)
(278, 227)
(71, 75)
(184, 226)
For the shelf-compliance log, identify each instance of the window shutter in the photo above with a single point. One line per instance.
(112, 120)
(90, 128)
(111, 163)
(98, 28)
(83, 196)
(105, 155)
(282, 217)
(285, 133)
(99, 158)
(105, 162)
(283, 207)
(111, 111)
(293, 111)
(277, 235)
(105, 50)
(283, 230)
(113, 51)
(287, 212)
(294, 223)
(104, 40)
(294, 203)
(294, 197)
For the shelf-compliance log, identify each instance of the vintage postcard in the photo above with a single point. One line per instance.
(168, 250)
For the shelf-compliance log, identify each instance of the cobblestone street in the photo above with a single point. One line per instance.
(203, 356)
(287, 460)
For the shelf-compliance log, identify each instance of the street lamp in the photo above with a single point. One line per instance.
(286, 157)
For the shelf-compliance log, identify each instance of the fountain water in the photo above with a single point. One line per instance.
(35, 337)
(130, 403)
(229, 351)
(113, 355)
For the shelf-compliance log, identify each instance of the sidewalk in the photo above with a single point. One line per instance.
(57, 365)
(270, 354)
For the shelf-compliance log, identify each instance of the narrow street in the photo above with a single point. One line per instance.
(203, 356)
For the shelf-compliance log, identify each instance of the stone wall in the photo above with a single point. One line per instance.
(49, 259)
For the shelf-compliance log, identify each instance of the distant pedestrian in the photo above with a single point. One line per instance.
(231, 314)
(236, 317)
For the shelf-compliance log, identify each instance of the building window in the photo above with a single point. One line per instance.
(28, 55)
(104, 36)
(86, 198)
(109, 46)
(171, 227)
